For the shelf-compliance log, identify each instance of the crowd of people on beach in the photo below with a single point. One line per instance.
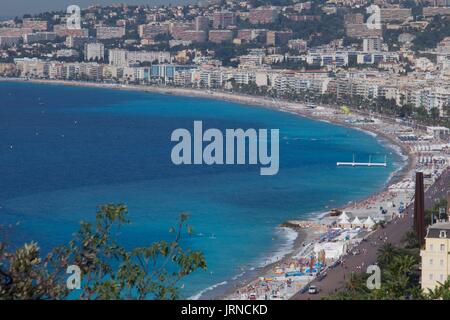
(393, 203)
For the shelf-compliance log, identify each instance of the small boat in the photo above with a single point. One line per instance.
(335, 212)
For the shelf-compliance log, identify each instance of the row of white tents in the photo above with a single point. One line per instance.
(344, 222)
(430, 147)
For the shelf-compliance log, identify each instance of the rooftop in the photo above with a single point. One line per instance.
(434, 231)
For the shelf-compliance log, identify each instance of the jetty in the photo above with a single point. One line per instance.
(363, 164)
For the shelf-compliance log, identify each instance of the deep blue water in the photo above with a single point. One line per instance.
(65, 150)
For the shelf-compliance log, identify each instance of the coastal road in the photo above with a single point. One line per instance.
(393, 232)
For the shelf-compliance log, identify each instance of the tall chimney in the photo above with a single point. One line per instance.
(419, 209)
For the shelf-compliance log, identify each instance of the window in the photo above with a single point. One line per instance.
(441, 277)
(442, 247)
(431, 262)
(431, 247)
(442, 234)
(442, 262)
(430, 276)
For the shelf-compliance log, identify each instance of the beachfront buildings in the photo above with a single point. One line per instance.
(436, 256)
(243, 47)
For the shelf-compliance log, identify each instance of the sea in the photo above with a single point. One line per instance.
(65, 150)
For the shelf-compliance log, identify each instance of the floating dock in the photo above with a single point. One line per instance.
(362, 164)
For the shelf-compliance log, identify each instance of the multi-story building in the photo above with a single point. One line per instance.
(77, 42)
(298, 45)
(135, 57)
(39, 37)
(178, 28)
(436, 256)
(63, 31)
(218, 36)
(67, 53)
(7, 69)
(94, 51)
(252, 34)
(193, 36)
(33, 68)
(149, 31)
(435, 11)
(251, 59)
(372, 44)
(223, 19)
(395, 14)
(262, 15)
(15, 32)
(36, 25)
(136, 74)
(166, 72)
(110, 32)
(201, 23)
(9, 41)
(124, 58)
(118, 57)
(278, 38)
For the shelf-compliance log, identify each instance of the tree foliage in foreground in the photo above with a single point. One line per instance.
(108, 269)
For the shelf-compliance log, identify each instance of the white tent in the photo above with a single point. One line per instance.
(344, 223)
(344, 217)
(369, 223)
(356, 222)
(332, 249)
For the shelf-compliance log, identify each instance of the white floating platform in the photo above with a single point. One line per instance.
(361, 164)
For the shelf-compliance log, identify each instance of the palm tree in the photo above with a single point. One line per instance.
(403, 265)
(442, 291)
(386, 253)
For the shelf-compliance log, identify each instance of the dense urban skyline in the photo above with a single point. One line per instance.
(19, 7)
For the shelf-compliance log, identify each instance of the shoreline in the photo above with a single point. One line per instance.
(296, 108)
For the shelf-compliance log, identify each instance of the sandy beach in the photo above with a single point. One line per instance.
(396, 191)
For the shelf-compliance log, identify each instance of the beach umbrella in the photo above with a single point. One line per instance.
(345, 110)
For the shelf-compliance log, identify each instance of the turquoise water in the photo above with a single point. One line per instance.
(65, 150)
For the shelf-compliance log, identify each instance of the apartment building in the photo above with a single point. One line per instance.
(149, 31)
(263, 15)
(39, 37)
(436, 256)
(9, 41)
(35, 25)
(219, 36)
(110, 32)
(223, 19)
(94, 51)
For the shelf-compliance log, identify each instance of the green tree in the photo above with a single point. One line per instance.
(109, 270)
(441, 292)
(386, 253)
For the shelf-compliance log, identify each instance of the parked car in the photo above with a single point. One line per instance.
(312, 290)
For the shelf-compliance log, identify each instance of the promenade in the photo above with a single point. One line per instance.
(393, 232)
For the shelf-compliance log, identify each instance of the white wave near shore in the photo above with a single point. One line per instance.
(287, 237)
(198, 295)
(286, 247)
